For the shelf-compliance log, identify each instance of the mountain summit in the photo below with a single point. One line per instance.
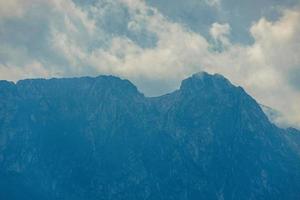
(100, 138)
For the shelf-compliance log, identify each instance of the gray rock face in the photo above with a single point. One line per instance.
(100, 138)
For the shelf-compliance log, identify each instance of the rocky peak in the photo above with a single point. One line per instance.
(205, 81)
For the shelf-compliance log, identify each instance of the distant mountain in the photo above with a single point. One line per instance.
(100, 138)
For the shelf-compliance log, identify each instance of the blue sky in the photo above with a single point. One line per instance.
(157, 43)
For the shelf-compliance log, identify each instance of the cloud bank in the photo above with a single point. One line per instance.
(132, 39)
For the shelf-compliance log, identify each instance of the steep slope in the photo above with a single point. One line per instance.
(230, 140)
(293, 137)
(99, 138)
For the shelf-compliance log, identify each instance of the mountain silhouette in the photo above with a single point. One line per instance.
(100, 138)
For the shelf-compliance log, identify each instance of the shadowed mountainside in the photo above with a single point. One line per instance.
(100, 138)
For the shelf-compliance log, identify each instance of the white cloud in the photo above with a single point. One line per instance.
(175, 53)
(16, 8)
(11, 8)
(220, 33)
(214, 3)
(276, 53)
(30, 70)
(71, 11)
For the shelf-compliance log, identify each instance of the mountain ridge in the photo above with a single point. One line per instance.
(100, 138)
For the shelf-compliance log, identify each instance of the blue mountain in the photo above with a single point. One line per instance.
(100, 138)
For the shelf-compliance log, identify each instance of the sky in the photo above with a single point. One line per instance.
(157, 43)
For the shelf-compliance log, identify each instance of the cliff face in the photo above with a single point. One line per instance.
(99, 138)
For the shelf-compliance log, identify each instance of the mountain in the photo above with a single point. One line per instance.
(100, 138)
